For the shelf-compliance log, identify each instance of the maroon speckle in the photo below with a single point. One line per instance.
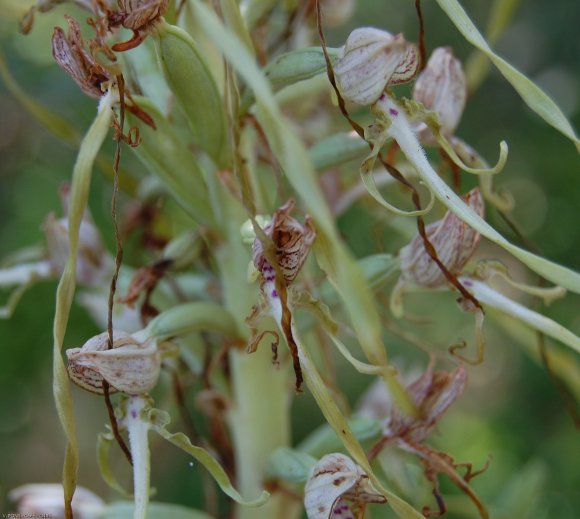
(383, 97)
(274, 293)
(393, 112)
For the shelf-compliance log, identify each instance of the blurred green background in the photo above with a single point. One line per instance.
(511, 408)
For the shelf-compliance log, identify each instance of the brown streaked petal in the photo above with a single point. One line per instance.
(407, 67)
(141, 13)
(70, 54)
(368, 61)
(433, 393)
(292, 240)
(442, 88)
(130, 366)
(454, 241)
(336, 487)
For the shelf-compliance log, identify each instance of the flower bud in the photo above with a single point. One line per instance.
(338, 487)
(130, 366)
(47, 500)
(453, 240)
(442, 88)
(92, 264)
(292, 241)
(370, 60)
(70, 54)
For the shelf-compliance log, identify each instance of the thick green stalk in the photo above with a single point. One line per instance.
(138, 429)
(259, 415)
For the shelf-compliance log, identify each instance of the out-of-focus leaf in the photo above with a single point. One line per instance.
(290, 465)
(532, 95)
(478, 65)
(522, 492)
(124, 510)
(562, 362)
(324, 440)
(337, 149)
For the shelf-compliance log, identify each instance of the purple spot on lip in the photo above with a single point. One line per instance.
(393, 112)
(274, 293)
(467, 283)
(134, 413)
(382, 98)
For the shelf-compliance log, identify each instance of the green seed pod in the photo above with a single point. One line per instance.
(194, 87)
(337, 149)
(166, 156)
(297, 65)
(191, 317)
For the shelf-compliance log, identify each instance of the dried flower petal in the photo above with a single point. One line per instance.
(454, 241)
(70, 53)
(292, 240)
(442, 88)
(337, 487)
(370, 59)
(138, 14)
(130, 366)
(47, 500)
(433, 393)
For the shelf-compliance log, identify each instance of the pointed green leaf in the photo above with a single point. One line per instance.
(159, 421)
(532, 95)
(80, 186)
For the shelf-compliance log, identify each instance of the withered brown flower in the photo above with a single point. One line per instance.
(138, 16)
(292, 241)
(70, 54)
(433, 393)
(453, 239)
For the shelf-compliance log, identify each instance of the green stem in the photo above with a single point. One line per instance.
(138, 429)
(259, 414)
(260, 423)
